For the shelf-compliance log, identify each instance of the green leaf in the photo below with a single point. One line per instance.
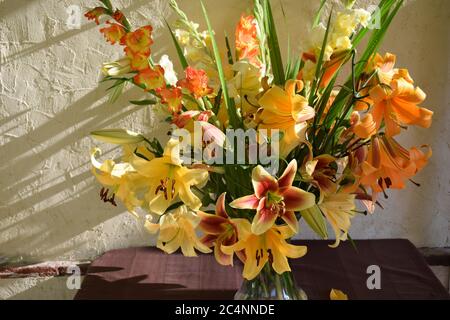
(229, 103)
(273, 44)
(116, 90)
(319, 13)
(147, 102)
(316, 81)
(180, 53)
(372, 45)
(229, 52)
(316, 221)
(294, 69)
(107, 4)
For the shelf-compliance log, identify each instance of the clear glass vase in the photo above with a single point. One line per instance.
(269, 285)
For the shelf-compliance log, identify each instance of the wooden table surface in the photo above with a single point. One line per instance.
(147, 273)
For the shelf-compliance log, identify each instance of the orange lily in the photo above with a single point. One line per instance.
(388, 164)
(269, 247)
(398, 106)
(287, 111)
(395, 98)
(275, 199)
(220, 230)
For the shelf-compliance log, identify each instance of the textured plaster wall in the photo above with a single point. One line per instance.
(49, 102)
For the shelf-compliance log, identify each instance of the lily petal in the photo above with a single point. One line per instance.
(247, 202)
(296, 199)
(291, 220)
(263, 182)
(220, 206)
(288, 176)
(211, 224)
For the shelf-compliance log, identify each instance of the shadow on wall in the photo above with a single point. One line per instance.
(6, 8)
(43, 213)
(21, 156)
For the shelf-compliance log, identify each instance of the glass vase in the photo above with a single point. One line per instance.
(269, 285)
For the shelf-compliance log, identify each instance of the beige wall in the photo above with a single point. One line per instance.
(49, 102)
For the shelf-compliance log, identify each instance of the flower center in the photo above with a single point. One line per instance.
(276, 204)
(163, 187)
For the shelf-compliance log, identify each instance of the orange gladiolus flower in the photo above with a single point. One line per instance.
(196, 82)
(114, 33)
(138, 61)
(151, 78)
(95, 14)
(172, 97)
(247, 44)
(389, 165)
(139, 41)
(119, 17)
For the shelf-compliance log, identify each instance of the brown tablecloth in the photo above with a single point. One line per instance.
(147, 273)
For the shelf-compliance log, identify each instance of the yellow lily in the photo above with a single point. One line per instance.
(287, 111)
(177, 230)
(338, 208)
(270, 246)
(169, 179)
(121, 177)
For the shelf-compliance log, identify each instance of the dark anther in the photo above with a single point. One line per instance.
(269, 252)
(104, 197)
(417, 184)
(380, 183)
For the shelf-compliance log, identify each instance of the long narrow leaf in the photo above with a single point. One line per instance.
(319, 13)
(275, 52)
(319, 63)
(180, 53)
(229, 103)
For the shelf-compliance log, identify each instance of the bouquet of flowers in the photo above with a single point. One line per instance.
(258, 142)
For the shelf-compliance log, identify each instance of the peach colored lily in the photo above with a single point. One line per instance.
(219, 230)
(397, 105)
(389, 165)
(275, 199)
(287, 111)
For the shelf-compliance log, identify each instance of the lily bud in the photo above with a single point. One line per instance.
(117, 68)
(117, 136)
